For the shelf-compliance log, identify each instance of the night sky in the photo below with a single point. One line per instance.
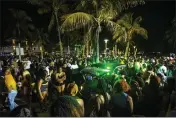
(157, 17)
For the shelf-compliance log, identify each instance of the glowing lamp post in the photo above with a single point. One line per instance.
(134, 50)
(13, 42)
(106, 42)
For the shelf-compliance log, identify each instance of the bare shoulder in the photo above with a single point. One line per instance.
(129, 98)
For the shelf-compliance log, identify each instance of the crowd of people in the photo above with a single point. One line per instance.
(146, 86)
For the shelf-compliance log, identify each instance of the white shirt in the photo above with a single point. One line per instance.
(47, 69)
(74, 66)
(69, 65)
(28, 63)
(162, 69)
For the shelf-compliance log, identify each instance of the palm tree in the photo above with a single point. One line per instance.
(126, 28)
(56, 8)
(171, 34)
(21, 26)
(74, 39)
(102, 11)
(42, 38)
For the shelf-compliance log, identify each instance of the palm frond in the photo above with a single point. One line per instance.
(116, 5)
(130, 3)
(31, 26)
(35, 2)
(81, 5)
(124, 24)
(63, 8)
(141, 31)
(13, 12)
(111, 25)
(42, 37)
(170, 34)
(43, 10)
(119, 34)
(88, 4)
(94, 3)
(20, 15)
(137, 21)
(126, 20)
(23, 15)
(51, 24)
(107, 12)
(76, 21)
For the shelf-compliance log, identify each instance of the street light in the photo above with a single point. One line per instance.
(134, 50)
(106, 41)
(13, 41)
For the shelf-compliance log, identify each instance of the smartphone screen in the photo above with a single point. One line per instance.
(89, 77)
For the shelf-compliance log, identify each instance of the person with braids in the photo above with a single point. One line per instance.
(60, 77)
(66, 106)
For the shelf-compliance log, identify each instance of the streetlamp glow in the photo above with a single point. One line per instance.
(106, 41)
(134, 50)
(13, 41)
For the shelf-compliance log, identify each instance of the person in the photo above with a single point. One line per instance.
(23, 111)
(137, 66)
(27, 64)
(97, 105)
(68, 72)
(66, 106)
(72, 89)
(147, 74)
(162, 69)
(60, 78)
(135, 93)
(43, 88)
(151, 97)
(26, 85)
(172, 112)
(11, 86)
(74, 65)
(121, 104)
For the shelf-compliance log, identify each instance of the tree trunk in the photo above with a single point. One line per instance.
(115, 50)
(135, 53)
(41, 51)
(19, 46)
(86, 42)
(97, 44)
(83, 50)
(87, 48)
(90, 49)
(127, 49)
(59, 34)
(77, 50)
